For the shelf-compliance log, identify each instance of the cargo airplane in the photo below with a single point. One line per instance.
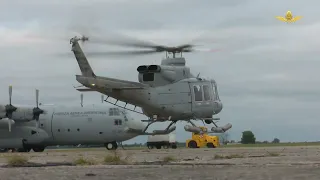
(26, 128)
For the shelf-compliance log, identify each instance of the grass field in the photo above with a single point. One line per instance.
(272, 144)
(223, 146)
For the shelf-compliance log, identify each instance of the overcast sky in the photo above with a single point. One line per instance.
(267, 71)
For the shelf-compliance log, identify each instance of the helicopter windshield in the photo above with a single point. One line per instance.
(215, 90)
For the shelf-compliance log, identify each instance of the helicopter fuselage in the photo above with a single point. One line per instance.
(191, 98)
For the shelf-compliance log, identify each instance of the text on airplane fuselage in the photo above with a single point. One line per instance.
(80, 113)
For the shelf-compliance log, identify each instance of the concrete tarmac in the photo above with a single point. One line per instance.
(278, 163)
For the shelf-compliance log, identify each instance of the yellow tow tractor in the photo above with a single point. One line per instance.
(202, 140)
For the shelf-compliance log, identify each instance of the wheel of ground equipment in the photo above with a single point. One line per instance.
(192, 144)
(158, 147)
(150, 147)
(210, 145)
(166, 147)
(174, 146)
(38, 149)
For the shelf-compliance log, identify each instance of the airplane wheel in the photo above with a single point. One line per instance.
(38, 149)
(4, 150)
(111, 146)
(23, 149)
(210, 145)
(192, 144)
(207, 121)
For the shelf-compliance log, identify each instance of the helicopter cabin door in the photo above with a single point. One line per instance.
(202, 99)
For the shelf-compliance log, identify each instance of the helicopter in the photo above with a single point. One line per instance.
(165, 92)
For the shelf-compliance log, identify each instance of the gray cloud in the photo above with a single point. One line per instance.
(266, 70)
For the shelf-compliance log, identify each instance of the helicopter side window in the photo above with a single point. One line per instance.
(148, 77)
(197, 93)
(206, 93)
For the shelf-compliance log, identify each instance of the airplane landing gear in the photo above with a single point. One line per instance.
(111, 145)
(38, 149)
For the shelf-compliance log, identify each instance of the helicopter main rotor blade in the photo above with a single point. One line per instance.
(119, 53)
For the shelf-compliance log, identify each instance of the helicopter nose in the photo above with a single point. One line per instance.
(218, 106)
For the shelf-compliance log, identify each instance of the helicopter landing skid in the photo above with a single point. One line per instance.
(218, 129)
(201, 130)
(168, 130)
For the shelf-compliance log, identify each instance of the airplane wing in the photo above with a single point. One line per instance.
(296, 18)
(283, 19)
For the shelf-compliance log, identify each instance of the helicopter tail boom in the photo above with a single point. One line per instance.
(84, 65)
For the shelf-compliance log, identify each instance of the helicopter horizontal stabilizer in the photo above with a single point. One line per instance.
(85, 90)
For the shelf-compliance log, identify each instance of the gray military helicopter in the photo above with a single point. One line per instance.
(165, 92)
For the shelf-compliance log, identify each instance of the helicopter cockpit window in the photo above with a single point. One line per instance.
(206, 93)
(214, 91)
(148, 77)
(197, 93)
(114, 112)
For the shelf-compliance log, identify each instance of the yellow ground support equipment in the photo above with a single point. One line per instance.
(202, 140)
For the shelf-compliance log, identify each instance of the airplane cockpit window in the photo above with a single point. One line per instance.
(197, 92)
(117, 122)
(124, 113)
(114, 112)
(148, 77)
(206, 92)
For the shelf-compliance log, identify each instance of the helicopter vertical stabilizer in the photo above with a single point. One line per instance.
(84, 65)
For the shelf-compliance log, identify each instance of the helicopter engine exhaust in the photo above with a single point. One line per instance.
(154, 68)
(192, 129)
(142, 69)
(221, 129)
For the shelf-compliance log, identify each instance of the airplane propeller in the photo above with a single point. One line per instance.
(102, 98)
(37, 111)
(10, 108)
(81, 100)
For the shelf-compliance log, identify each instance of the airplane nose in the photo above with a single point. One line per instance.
(136, 124)
(141, 125)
